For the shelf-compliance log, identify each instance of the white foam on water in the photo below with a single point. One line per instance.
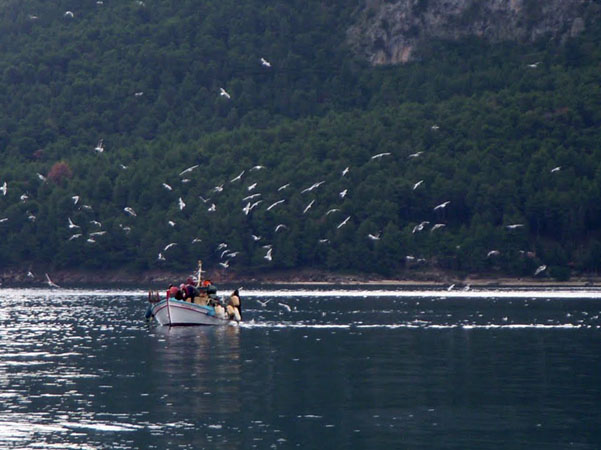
(281, 325)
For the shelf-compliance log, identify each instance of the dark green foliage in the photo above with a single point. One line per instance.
(145, 78)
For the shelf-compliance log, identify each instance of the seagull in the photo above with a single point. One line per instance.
(246, 209)
(30, 274)
(255, 237)
(415, 155)
(513, 226)
(238, 177)
(539, 269)
(450, 288)
(188, 170)
(31, 217)
(252, 186)
(221, 246)
(168, 246)
(123, 166)
(166, 186)
(204, 200)
(99, 147)
(442, 205)
(98, 233)
(323, 241)
(250, 197)
(345, 171)
(263, 304)
(90, 240)
(420, 226)
(435, 127)
(279, 227)
(181, 204)
(308, 207)
(72, 225)
(255, 204)
(4, 219)
(380, 155)
(130, 211)
(171, 223)
(265, 63)
(50, 282)
(138, 94)
(259, 167)
(224, 93)
(69, 14)
(24, 197)
(161, 257)
(41, 177)
(225, 264)
(212, 208)
(534, 65)
(330, 211)
(86, 207)
(273, 205)
(556, 169)
(493, 253)
(343, 223)
(416, 185)
(268, 256)
(436, 226)
(313, 186)
(4, 188)
(75, 236)
(75, 199)
(374, 237)
(285, 306)
(196, 240)
(126, 229)
(218, 188)
(281, 188)
(343, 193)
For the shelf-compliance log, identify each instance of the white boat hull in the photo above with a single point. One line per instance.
(176, 312)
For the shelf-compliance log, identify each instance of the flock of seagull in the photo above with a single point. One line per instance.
(251, 202)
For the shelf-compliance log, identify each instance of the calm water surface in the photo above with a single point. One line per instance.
(340, 369)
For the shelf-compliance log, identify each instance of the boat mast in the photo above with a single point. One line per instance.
(199, 273)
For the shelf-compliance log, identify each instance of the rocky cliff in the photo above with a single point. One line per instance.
(391, 32)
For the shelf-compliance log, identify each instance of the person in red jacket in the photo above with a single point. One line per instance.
(172, 291)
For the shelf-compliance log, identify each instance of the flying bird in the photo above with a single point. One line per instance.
(343, 193)
(72, 225)
(50, 282)
(263, 304)
(224, 264)
(24, 197)
(308, 207)
(75, 236)
(196, 240)
(265, 63)
(181, 204)
(75, 199)
(415, 155)
(285, 306)
(534, 65)
(188, 170)
(171, 223)
(420, 226)
(41, 177)
(218, 188)
(130, 211)
(436, 226)
(268, 256)
(279, 227)
(281, 188)
(345, 171)
(250, 197)
(380, 155)
(168, 246)
(374, 237)
(69, 14)
(98, 233)
(418, 184)
(442, 205)
(556, 169)
(223, 93)
(540, 269)
(255, 237)
(95, 222)
(493, 253)
(99, 147)
(166, 186)
(161, 257)
(212, 208)
(259, 167)
(273, 205)
(343, 223)
(313, 186)
(330, 211)
(513, 226)
(4, 188)
(238, 177)
(252, 186)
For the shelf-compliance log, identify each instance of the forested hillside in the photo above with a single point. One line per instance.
(476, 158)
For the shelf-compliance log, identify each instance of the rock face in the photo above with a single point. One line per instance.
(391, 31)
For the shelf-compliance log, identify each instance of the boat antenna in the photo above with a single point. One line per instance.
(199, 273)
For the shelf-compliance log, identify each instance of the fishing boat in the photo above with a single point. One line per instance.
(203, 307)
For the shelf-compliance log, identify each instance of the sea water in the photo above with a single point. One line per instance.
(321, 367)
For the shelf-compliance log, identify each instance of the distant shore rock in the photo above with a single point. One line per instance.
(392, 32)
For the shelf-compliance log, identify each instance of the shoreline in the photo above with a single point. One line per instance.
(153, 279)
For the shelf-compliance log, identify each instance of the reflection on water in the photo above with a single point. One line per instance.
(359, 369)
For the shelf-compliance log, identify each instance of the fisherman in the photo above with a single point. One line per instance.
(234, 307)
(172, 291)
